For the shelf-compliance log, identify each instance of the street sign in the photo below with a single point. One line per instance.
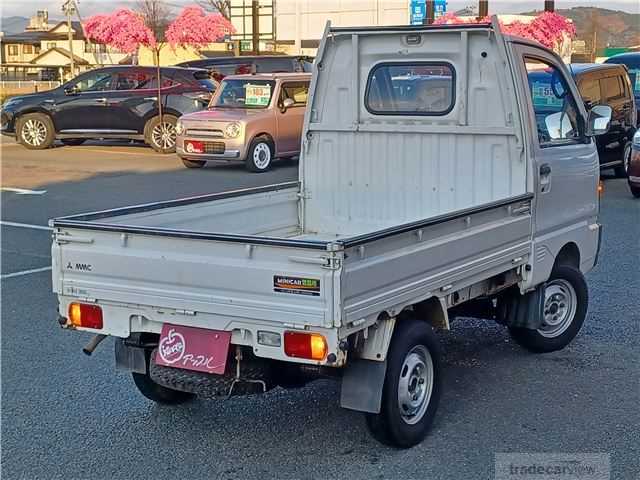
(418, 10)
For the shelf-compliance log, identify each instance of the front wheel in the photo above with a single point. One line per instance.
(635, 191)
(259, 155)
(161, 136)
(35, 131)
(192, 163)
(412, 386)
(566, 298)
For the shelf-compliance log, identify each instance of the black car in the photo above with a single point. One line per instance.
(111, 102)
(630, 60)
(220, 67)
(604, 84)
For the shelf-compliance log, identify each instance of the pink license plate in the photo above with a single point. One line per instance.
(193, 348)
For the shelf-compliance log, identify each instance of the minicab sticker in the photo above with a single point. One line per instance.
(296, 285)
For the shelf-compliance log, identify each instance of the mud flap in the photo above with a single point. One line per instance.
(526, 311)
(362, 384)
(129, 357)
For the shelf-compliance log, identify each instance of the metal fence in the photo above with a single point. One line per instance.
(16, 87)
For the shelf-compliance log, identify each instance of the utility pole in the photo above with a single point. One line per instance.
(483, 9)
(549, 6)
(255, 26)
(69, 9)
(430, 14)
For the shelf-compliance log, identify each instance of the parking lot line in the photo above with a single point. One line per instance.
(24, 272)
(25, 225)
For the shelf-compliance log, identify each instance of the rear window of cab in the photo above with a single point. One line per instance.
(417, 88)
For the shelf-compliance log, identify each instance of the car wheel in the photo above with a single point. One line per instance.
(73, 141)
(35, 131)
(161, 136)
(193, 163)
(259, 155)
(412, 386)
(622, 171)
(159, 393)
(566, 298)
(635, 191)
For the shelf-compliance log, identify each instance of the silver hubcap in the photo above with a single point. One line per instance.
(163, 135)
(415, 384)
(262, 156)
(560, 301)
(34, 132)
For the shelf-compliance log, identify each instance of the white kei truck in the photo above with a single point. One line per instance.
(446, 171)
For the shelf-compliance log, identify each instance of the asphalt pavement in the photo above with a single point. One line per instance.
(66, 415)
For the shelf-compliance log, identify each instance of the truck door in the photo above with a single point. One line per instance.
(566, 171)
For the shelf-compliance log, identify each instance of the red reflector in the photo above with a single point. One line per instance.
(305, 345)
(83, 315)
(193, 146)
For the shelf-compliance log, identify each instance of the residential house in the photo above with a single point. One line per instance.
(46, 55)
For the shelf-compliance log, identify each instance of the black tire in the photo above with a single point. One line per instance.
(635, 191)
(158, 393)
(555, 336)
(193, 163)
(71, 142)
(35, 131)
(259, 155)
(161, 141)
(622, 171)
(390, 426)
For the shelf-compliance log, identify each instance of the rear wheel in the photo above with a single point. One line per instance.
(155, 392)
(566, 298)
(161, 136)
(35, 131)
(622, 171)
(193, 163)
(412, 386)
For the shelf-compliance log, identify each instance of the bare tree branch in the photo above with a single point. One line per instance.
(222, 7)
(156, 14)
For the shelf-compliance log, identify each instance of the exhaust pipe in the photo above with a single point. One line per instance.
(93, 343)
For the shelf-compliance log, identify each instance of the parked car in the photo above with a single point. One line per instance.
(110, 102)
(634, 166)
(412, 208)
(220, 67)
(631, 60)
(252, 119)
(610, 85)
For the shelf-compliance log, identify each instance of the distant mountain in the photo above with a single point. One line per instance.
(11, 25)
(613, 28)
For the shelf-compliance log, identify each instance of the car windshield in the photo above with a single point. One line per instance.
(245, 93)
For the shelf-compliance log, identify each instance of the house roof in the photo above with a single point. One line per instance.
(51, 34)
(77, 60)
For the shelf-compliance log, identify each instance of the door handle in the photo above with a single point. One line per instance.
(545, 169)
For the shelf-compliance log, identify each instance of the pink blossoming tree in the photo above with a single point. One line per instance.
(548, 28)
(195, 28)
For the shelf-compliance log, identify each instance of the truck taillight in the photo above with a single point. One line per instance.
(84, 315)
(305, 345)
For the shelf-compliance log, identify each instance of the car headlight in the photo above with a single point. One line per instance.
(232, 130)
(179, 127)
(636, 140)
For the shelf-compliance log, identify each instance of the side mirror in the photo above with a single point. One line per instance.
(287, 103)
(72, 90)
(599, 120)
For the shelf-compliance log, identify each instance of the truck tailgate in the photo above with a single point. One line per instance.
(225, 281)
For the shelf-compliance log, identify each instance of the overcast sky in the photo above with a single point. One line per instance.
(26, 8)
